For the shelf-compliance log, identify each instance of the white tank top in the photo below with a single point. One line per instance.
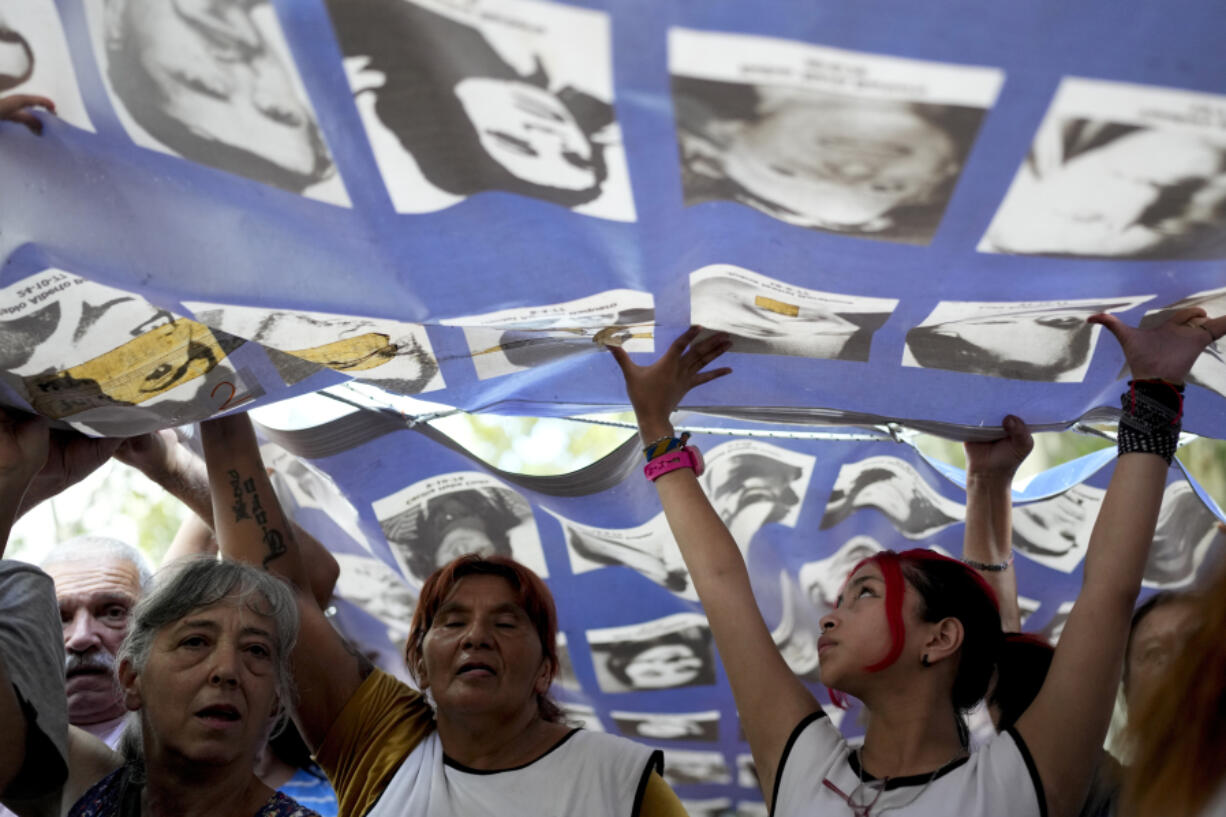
(587, 773)
(818, 774)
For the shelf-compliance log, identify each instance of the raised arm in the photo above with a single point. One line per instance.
(41, 770)
(23, 450)
(252, 528)
(987, 544)
(1065, 726)
(770, 699)
(166, 461)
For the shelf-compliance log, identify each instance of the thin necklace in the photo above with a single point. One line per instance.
(865, 809)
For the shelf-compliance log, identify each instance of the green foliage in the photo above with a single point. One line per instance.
(1205, 460)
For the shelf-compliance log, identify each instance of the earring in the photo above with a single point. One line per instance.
(924, 661)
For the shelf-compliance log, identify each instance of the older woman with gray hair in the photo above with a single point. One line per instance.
(204, 670)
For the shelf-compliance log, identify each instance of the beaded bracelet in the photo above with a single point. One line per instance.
(990, 567)
(662, 446)
(1151, 418)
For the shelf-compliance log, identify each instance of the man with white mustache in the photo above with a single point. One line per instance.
(97, 582)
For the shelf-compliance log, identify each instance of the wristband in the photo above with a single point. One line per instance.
(663, 445)
(685, 457)
(990, 567)
(1150, 422)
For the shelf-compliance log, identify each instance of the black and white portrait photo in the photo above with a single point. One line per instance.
(1047, 341)
(667, 653)
(515, 340)
(893, 487)
(649, 549)
(770, 317)
(377, 589)
(1185, 534)
(823, 580)
(582, 716)
(108, 361)
(746, 772)
(395, 356)
(1054, 627)
(1209, 370)
(34, 58)
(751, 484)
(848, 142)
(487, 95)
(686, 767)
(310, 487)
(213, 81)
(1120, 171)
(432, 522)
(652, 726)
(1055, 532)
(795, 635)
(565, 677)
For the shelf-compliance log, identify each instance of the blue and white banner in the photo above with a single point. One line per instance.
(638, 657)
(901, 213)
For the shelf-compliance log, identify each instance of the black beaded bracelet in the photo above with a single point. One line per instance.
(1151, 418)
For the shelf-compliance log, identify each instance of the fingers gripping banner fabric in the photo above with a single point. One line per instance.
(637, 656)
(896, 211)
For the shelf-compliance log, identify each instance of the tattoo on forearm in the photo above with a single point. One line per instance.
(239, 506)
(275, 543)
(247, 505)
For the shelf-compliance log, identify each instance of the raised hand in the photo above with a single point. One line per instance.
(656, 390)
(1003, 456)
(1165, 352)
(16, 108)
(155, 453)
(23, 449)
(71, 457)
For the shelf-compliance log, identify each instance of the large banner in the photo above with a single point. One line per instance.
(393, 503)
(901, 212)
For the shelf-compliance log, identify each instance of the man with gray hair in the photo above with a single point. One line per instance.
(97, 583)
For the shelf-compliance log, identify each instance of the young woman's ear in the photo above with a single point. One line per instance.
(129, 682)
(944, 640)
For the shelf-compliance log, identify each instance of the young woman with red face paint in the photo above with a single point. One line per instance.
(914, 634)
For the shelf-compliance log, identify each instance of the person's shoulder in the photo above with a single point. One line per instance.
(385, 718)
(99, 798)
(1006, 758)
(13, 572)
(621, 758)
(281, 805)
(381, 689)
(588, 740)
